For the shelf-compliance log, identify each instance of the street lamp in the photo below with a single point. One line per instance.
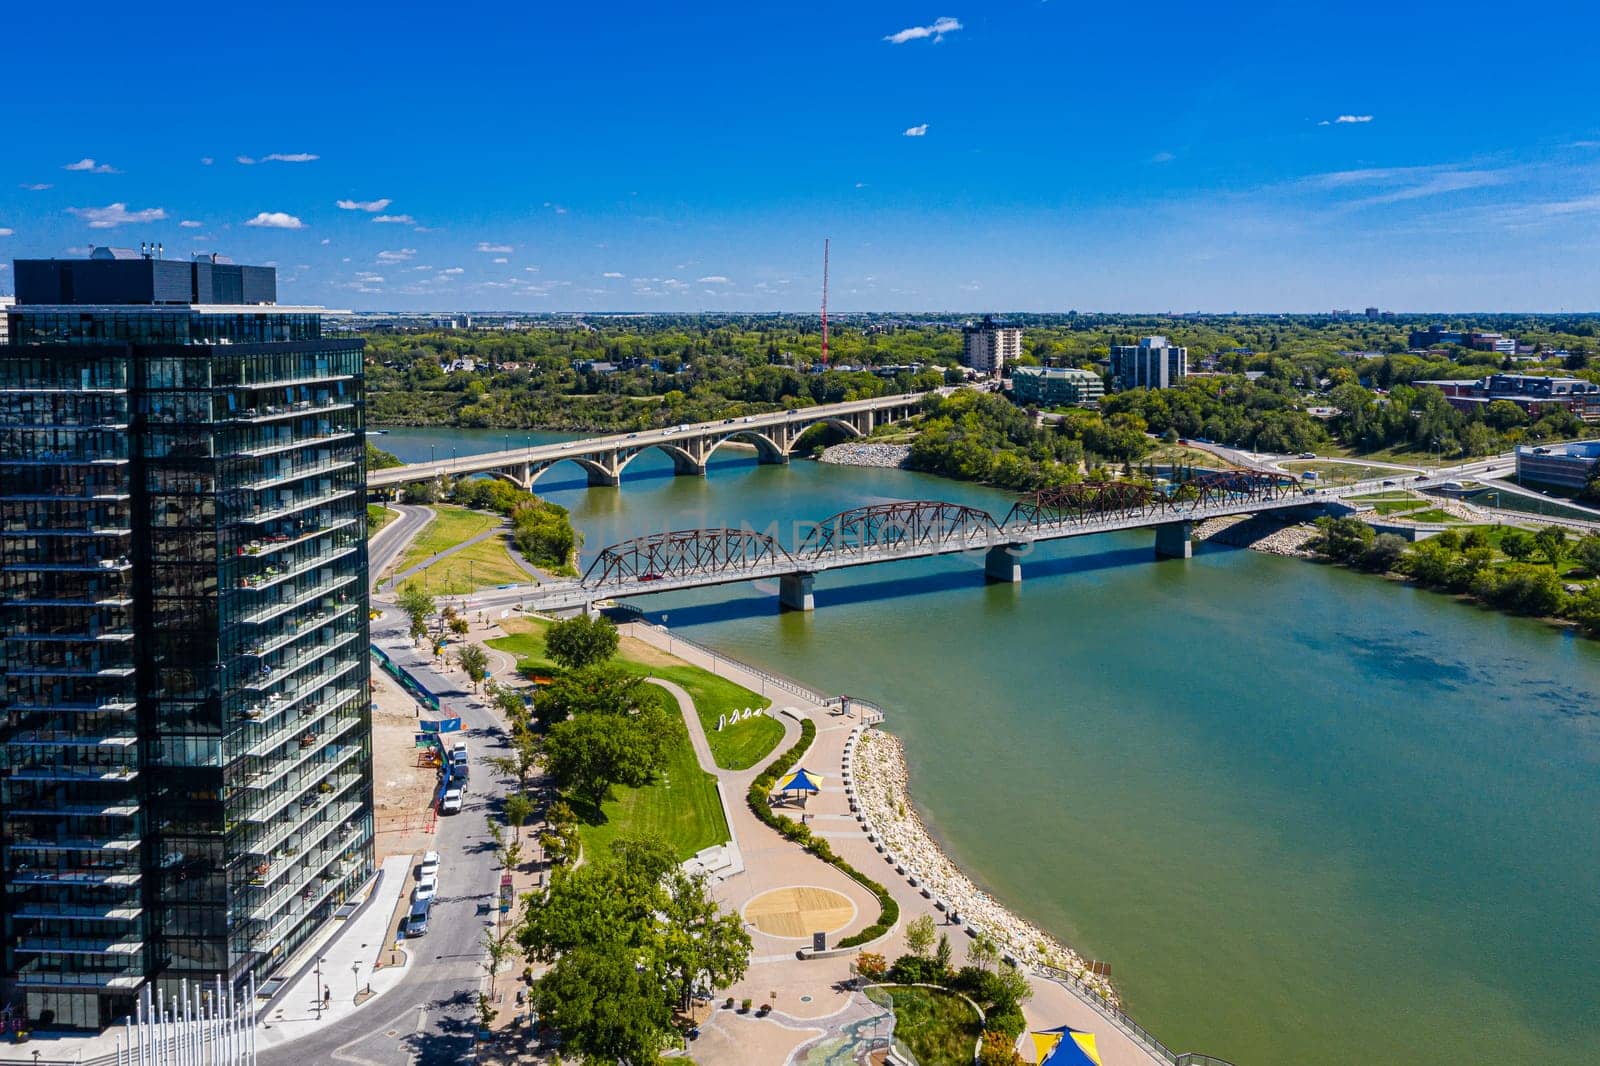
(318, 993)
(669, 633)
(355, 968)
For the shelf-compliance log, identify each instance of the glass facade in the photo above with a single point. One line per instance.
(185, 761)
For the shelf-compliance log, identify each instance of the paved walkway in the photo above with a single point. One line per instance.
(816, 1016)
(360, 946)
(494, 531)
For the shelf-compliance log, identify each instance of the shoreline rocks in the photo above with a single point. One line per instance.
(881, 788)
(867, 453)
(1260, 533)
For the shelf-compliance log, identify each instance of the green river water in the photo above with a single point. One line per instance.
(1309, 817)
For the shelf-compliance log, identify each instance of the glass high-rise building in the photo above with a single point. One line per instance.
(185, 752)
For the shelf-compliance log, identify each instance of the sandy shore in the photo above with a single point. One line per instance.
(881, 787)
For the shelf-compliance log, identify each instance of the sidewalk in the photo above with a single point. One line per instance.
(358, 946)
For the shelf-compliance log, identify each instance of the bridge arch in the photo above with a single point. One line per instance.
(683, 553)
(802, 426)
(901, 525)
(595, 472)
(767, 449)
(683, 461)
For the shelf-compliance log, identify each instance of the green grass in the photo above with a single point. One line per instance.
(1342, 473)
(736, 747)
(1431, 514)
(939, 1027)
(680, 806)
(1398, 506)
(378, 516)
(450, 526)
(481, 566)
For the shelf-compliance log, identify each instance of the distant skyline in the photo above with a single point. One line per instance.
(1020, 156)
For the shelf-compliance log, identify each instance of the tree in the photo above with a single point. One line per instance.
(984, 952)
(1344, 539)
(1587, 553)
(604, 688)
(999, 1050)
(417, 603)
(560, 841)
(498, 947)
(920, 935)
(591, 752)
(871, 965)
(519, 808)
(942, 954)
(628, 936)
(1551, 541)
(474, 661)
(1384, 553)
(1517, 544)
(581, 641)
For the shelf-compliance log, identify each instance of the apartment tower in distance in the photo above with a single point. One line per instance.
(988, 345)
(185, 753)
(1151, 364)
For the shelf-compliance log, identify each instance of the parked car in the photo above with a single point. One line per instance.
(452, 802)
(417, 921)
(429, 866)
(458, 754)
(427, 888)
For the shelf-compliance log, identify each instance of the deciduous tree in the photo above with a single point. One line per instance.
(581, 641)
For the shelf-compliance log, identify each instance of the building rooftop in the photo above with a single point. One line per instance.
(112, 277)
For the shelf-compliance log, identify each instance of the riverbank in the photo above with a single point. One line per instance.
(865, 453)
(882, 783)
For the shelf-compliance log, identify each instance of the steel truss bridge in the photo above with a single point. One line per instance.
(603, 459)
(889, 532)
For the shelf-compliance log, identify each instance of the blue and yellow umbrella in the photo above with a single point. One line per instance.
(1065, 1046)
(802, 780)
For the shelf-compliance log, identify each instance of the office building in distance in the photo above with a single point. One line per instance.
(1535, 394)
(987, 346)
(1055, 386)
(185, 753)
(1153, 363)
(1568, 465)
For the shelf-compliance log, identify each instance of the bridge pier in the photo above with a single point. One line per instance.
(1173, 540)
(763, 458)
(794, 592)
(684, 466)
(602, 478)
(1003, 563)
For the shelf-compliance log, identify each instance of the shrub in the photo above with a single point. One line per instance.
(999, 1049)
(917, 970)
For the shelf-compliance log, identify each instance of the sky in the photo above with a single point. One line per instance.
(1013, 155)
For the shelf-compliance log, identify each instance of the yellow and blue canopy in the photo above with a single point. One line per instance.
(1064, 1046)
(802, 779)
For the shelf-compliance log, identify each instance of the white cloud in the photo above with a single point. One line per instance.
(611, 274)
(1162, 157)
(190, 223)
(38, 186)
(940, 27)
(397, 255)
(290, 157)
(1346, 120)
(370, 206)
(714, 279)
(918, 131)
(861, 185)
(6, 231)
(326, 241)
(246, 160)
(275, 220)
(206, 161)
(451, 271)
(496, 249)
(1388, 185)
(115, 215)
(557, 208)
(404, 220)
(531, 270)
(369, 277)
(90, 166)
(501, 259)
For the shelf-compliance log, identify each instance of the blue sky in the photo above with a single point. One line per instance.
(1009, 156)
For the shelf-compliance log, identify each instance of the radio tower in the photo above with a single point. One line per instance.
(825, 301)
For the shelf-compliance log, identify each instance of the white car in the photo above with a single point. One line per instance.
(458, 754)
(452, 802)
(427, 888)
(430, 865)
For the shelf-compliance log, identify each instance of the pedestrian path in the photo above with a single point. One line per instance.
(358, 957)
(463, 546)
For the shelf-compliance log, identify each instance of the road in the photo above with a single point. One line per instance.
(428, 1018)
(388, 543)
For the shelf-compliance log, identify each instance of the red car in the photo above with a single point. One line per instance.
(649, 577)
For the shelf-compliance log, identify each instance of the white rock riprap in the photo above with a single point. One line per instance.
(866, 453)
(880, 782)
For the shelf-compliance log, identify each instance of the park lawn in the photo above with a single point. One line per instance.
(736, 747)
(1345, 472)
(378, 516)
(485, 565)
(450, 526)
(1399, 506)
(1431, 514)
(681, 807)
(938, 1026)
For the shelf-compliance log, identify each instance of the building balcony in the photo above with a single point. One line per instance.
(68, 772)
(309, 897)
(281, 410)
(258, 518)
(291, 853)
(276, 706)
(256, 416)
(68, 912)
(313, 746)
(34, 975)
(302, 792)
(81, 946)
(60, 738)
(299, 630)
(286, 671)
(312, 717)
(20, 842)
(299, 599)
(120, 808)
(104, 636)
(267, 846)
(296, 443)
(273, 577)
(71, 670)
(89, 875)
(311, 470)
(85, 566)
(108, 707)
(270, 547)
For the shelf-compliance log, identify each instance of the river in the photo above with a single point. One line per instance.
(1309, 817)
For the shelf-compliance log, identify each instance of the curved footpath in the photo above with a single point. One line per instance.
(813, 1008)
